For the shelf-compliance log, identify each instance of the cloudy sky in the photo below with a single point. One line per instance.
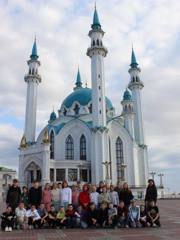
(61, 27)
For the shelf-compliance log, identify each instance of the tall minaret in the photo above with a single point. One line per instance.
(97, 52)
(135, 86)
(32, 79)
(128, 112)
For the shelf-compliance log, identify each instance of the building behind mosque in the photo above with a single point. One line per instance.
(85, 140)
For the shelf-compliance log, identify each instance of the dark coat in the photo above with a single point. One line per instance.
(13, 197)
(102, 216)
(92, 214)
(35, 196)
(126, 196)
(151, 194)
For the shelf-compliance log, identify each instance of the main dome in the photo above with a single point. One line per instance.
(83, 96)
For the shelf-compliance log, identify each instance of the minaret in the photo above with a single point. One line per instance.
(97, 52)
(128, 112)
(32, 79)
(135, 86)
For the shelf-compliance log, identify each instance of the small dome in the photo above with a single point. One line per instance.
(127, 95)
(83, 96)
(53, 116)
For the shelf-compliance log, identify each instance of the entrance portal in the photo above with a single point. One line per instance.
(32, 172)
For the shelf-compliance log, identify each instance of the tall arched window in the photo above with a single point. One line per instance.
(119, 159)
(69, 148)
(83, 148)
(52, 145)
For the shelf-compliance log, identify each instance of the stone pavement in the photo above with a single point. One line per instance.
(170, 220)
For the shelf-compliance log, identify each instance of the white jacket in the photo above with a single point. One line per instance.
(67, 195)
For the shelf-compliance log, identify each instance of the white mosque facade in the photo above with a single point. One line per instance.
(85, 140)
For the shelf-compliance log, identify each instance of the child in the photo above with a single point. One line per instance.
(122, 215)
(70, 216)
(114, 196)
(43, 214)
(143, 217)
(7, 222)
(51, 219)
(93, 215)
(112, 215)
(153, 215)
(61, 218)
(103, 215)
(134, 214)
(34, 219)
(81, 217)
(20, 216)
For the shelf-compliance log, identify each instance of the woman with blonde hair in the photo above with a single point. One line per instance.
(55, 196)
(126, 195)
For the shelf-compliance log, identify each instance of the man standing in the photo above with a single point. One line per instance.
(14, 195)
(35, 194)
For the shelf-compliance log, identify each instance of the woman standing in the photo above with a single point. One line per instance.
(66, 195)
(151, 193)
(47, 197)
(126, 195)
(55, 196)
(75, 196)
(84, 197)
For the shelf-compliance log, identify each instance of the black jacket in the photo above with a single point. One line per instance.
(102, 216)
(92, 214)
(13, 197)
(35, 196)
(151, 194)
(126, 196)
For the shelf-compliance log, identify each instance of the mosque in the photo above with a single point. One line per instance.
(85, 140)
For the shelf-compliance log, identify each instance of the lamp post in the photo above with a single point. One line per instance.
(161, 175)
(107, 164)
(152, 173)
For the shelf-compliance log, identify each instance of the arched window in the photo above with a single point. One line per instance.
(52, 145)
(97, 42)
(29, 71)
(90, 108)
(119, 159)
(93, 43)
(82, 148)
(69, 148)
(76, 109)
(33, 71)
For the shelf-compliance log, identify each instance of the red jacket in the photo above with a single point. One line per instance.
(84, 197)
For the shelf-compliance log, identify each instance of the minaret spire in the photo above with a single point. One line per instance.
(78, 80)
(96, 23)
(34, 55)
(134, 63)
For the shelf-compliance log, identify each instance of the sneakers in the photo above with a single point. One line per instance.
(8, 229)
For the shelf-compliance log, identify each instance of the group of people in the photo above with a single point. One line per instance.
(61, 206)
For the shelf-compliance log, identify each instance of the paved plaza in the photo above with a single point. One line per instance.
(170, 220)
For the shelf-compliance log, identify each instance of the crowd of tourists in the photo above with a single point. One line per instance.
(87, 206)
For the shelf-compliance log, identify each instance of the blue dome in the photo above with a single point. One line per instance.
(127, 95)
(83, 96)
(53, 116)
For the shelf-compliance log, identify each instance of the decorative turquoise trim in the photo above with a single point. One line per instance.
(53, 116)
(55, 128)
(127, 95)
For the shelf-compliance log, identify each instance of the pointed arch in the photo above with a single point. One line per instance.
(83, 148)
(119, 158)
(69, 151)
(52, 144)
